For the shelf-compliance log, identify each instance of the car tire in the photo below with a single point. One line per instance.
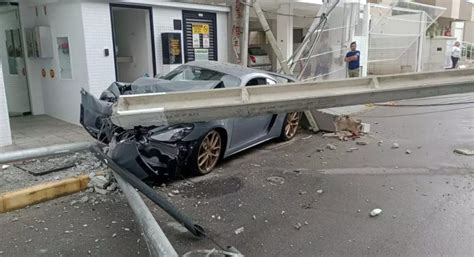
(207, 153)
(290, 126)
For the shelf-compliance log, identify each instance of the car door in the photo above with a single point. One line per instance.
(248, 131)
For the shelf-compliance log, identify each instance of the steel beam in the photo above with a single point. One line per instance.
(199, 106)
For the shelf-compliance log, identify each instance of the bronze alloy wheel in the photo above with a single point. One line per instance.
(292, 123)
(209, 152)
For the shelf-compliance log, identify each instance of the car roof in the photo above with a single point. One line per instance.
(226, 68)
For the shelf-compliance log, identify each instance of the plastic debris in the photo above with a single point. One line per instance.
(375, 212)
(464, 152)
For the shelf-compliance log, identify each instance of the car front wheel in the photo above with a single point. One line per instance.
(207, 153)
(290, 126)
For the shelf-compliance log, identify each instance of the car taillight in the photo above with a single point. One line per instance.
(253, 59)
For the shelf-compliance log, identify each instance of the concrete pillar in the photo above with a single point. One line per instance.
(284, 26)
(5, 133)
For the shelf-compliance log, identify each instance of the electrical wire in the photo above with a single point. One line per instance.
(424, 105)
(412, 114)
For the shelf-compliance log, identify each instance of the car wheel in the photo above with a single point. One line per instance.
(207, 153)
(290, 125)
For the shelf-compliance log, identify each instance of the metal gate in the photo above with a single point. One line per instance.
(200, 36)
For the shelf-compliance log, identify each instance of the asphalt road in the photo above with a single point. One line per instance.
(426, 196)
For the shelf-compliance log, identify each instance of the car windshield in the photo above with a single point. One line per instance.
(257, 51)
(186, 73)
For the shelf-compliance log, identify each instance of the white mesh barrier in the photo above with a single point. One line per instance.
(323, 56)
(395, 33)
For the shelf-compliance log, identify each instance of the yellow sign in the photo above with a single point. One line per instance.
(200, 28)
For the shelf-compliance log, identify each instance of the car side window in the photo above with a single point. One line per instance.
(260, 81)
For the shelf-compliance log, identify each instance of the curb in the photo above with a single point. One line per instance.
(10, 201)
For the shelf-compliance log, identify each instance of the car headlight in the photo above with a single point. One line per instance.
(172, 133)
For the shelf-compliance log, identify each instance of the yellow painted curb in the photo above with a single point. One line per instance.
(10, 201)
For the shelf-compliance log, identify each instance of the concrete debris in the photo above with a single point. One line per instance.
(170, 194)
(362, 143)
(380, 142)
(112, 187)
(358, 211)
(99, 182)
(126, 229)
(331, 147)
(306, 223)
(254, 217)
(14, 219)
(255, 165)
(5, 166)
(101, 191)
(175, 192)
(375, 212)
(365, 128)
(276, 180)
(239, 230)
(464, 152)
(308, 137)
(303, 192)
(350, 150)
(298, 226)
(320, 191)
(391, 188)
(114, 235)
(73, 202)
(84, 199)
(395, 146)
(320, 150)
(408, 151)
(282, 212)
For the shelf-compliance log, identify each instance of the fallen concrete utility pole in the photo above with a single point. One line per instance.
(157, 242)
(181, 107)
(44, 151)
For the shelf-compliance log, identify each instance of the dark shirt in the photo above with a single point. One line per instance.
(354, 64)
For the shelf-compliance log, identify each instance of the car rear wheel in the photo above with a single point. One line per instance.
(290, 126)
(207, 153)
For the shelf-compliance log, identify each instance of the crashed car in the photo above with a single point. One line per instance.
(195, 147)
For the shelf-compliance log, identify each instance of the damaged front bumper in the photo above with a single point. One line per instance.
(135, 150)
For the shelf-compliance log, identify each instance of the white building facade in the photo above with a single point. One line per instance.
(54, 49)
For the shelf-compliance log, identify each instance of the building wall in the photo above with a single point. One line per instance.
(98, 37)
(5, 134)
(61, 97)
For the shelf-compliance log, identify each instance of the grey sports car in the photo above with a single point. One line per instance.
(196, 147)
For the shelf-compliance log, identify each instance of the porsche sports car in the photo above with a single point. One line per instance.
(195, 147)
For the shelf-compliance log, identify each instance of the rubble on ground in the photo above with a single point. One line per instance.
(276, 180)
(375, 212)
(331, 147)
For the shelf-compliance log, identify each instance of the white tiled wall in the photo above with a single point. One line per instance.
(5, 134)
(98, 36)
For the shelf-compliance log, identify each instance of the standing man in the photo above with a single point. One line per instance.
(352, 58)
(455, 54)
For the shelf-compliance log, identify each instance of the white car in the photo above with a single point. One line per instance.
(259, 59)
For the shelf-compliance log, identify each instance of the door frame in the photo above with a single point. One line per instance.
(24, 52)
(152, 34)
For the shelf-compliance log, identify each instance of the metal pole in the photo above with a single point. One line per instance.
(44, 151)
(245, 34)
(270, 37)
(157, 242)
